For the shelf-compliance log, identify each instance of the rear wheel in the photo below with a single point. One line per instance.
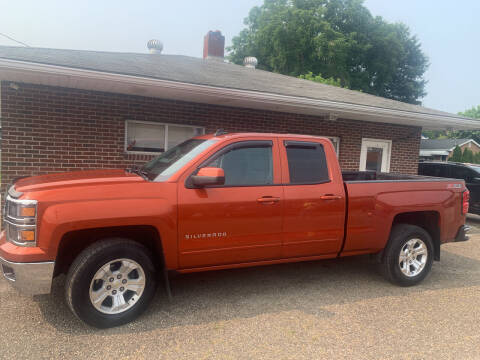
(110, 283)
(408, 256)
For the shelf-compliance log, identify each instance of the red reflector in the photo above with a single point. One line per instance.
(465, 198)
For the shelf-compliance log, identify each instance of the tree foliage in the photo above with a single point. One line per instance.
(473, 113)
(467, 156)
(338, 39)
(457, 154)
(318, 78)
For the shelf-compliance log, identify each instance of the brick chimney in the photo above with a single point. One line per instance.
(214, 45)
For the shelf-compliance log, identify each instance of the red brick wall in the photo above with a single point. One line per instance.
(50, 129)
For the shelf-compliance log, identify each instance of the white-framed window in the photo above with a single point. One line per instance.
(146, 137)
(375, 155)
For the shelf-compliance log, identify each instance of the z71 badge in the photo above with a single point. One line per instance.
(454, 186)
(206, 236)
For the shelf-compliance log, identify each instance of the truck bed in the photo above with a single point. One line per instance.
(375, 199)
(373, 176)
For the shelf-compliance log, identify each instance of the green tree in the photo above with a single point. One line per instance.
(476, 158)
(318, 78)
(473, 113)
(457, 154)
(435, 134)
(338, 39)
(467, 156)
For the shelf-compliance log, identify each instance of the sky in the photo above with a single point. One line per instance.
(449, 32)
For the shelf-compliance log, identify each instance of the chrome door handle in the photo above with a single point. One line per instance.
(268, 200)
(330, 197)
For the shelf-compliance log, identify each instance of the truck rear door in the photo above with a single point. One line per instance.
(314, 197)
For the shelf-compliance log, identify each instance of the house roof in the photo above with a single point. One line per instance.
(434, 152)
(281, 89)
(443, 144)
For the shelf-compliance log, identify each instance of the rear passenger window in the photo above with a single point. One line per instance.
(437, 170)
(306, 162)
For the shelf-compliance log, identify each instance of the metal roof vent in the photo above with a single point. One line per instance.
(155, 46)
(250, 62)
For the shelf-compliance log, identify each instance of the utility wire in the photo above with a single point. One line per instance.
(10, 38)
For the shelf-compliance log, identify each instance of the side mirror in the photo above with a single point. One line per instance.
(208, 176)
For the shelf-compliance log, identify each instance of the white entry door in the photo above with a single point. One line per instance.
(375, 155)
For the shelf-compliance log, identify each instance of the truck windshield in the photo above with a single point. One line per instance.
(476, 169)
(164, 166)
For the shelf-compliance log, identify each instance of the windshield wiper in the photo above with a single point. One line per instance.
(135, 169)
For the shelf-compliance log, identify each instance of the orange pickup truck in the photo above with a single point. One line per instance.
(215, 202)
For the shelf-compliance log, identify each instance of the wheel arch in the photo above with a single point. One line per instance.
(74, 242)
(427, 220)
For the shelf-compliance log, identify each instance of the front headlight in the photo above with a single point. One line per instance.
(20, 221)
(21, 209)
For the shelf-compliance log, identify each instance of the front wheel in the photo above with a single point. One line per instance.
(408, 256)
(110, 283)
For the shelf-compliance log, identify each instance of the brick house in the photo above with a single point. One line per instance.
(442, 149)
(64, 110)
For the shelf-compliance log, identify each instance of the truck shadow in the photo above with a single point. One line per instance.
(308, 287)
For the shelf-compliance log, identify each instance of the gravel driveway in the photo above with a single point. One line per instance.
(334, 309)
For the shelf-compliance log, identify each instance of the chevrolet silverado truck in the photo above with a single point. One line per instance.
(214, 202)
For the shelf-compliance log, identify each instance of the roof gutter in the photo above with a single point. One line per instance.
(53, 75)
(433, 152)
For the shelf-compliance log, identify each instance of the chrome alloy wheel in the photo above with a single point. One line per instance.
(413, 257)
(117, 286)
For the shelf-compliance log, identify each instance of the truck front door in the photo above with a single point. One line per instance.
(240, 221)
(315, 201)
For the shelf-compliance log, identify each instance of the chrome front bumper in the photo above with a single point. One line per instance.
(29, 278)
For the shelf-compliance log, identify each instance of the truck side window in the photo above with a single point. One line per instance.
(436, 170)
(425, 169)
(444, 171)
(460, 172)
(306, 162)
(243, 166)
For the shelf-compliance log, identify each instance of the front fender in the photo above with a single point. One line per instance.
(60, 219)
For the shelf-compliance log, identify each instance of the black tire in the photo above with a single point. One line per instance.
(86, 265)
(390, 266)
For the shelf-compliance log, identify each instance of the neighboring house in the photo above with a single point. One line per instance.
(65, 110)
(442, 149)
